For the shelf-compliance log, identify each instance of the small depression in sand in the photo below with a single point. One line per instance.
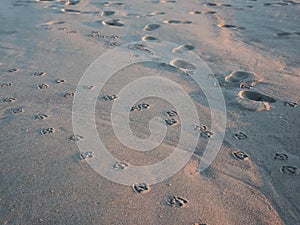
(184, 48)
(195, 12)
(254, 101)
(71, 11)
(176, 22)
(107, 13)
(149, 38)
(114, 23)
(179, 63)
(255, 96)
(72, 2)
(238, 76)
(151, 27)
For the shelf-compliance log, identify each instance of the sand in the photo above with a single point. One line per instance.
(252, 48)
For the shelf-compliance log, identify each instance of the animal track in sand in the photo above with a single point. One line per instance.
(167, 1)
(179, 63)
(8, 100)
(209, 12)
(18, 110)
(195, 12)
(291, 104)
(184, 48)
(254, 101)
(45, 131)
(204, 132)
(232, 27)
(42, 86)
(240, 136)
(226, 5)
(177, 201)
(156, 13)
(85, 155)
(40, 116)
(72, 2)
(141, 188)
(75, 137)
(286, 34)
(140, 107)
(176, 22)
(71, 11)
(120, 165)
(107, 13)
(89, 87)
(109, 97)
(239, 76)
(171, 122)
(113, 23)
(39, 74)
(2, 85)
(60, 81)
(211, 4)
(171, 113)
(289, 170)
(69, 94)
(281, 156)
(14, 70)
(149, 38)
(240, 155)
(111, 4)
(151, 27)
(256, 96)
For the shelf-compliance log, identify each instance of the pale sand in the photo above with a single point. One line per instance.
(44, 182)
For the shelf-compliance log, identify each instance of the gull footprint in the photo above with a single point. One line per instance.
(240, 136)
(13, 70)
(9, 100)
(240, 155)
(204, 132)
(141, 188)
(69, 94)
(281, 156)
(75, 137)
(85, 155)
(40, 116)
(42, 86)
(171, 113)
(47, 131)
(171, 122)
(291, 104)
(289, 170)
(140, 107)
(18, 110)
(60, 81)
(120, 165)
(2, 85)
(109, 97)
(39, 74)
(177, 201)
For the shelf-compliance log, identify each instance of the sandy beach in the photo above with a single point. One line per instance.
(252, 49)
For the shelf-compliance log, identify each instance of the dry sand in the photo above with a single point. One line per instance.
(44, 182)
